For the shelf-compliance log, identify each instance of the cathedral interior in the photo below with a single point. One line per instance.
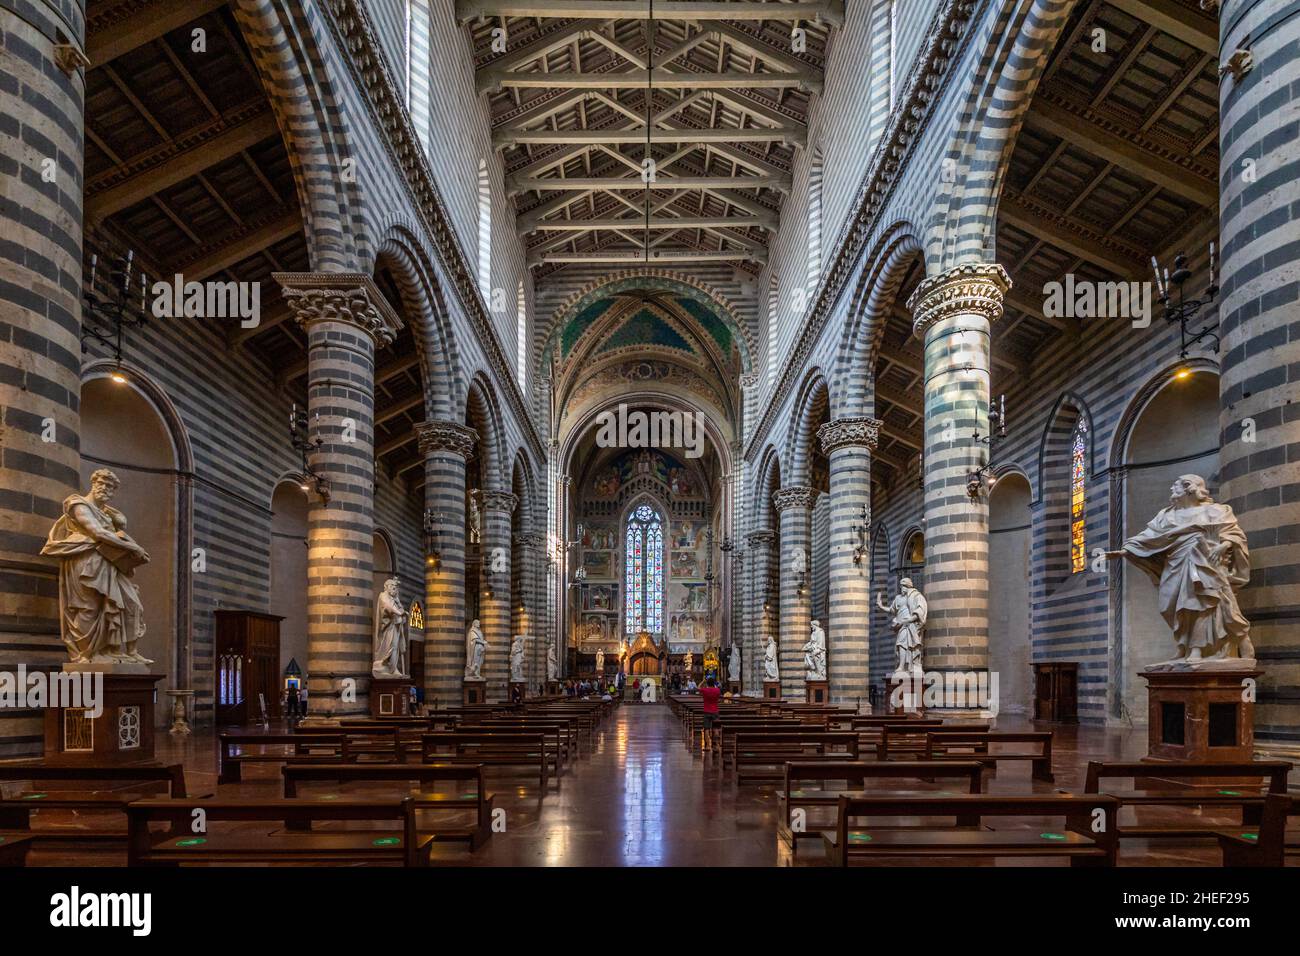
(772, 415)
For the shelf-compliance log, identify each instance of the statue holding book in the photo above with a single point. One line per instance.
(101, 617)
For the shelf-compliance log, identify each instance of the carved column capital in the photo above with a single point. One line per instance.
(445, 436)
(760, 540)
(749, 380)
(498, 501)
(794, 496)
(844, 432)
(977, 287)
(340, 297)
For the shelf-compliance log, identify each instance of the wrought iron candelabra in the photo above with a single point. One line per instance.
(106, 316)
(304, 444)
(1182, 310)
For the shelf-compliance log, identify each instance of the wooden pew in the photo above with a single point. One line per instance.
(941, 742)
(762, 756)
(1077, 841)
(1248, 799)
(908, 742)
(555, 733)
(728, 730)
(365, 739)
(1271, 844)
(296, 843)
(475, 799)
(855, 775)
(141, 781)
(304, 748)
(490, 748)
(14, 847)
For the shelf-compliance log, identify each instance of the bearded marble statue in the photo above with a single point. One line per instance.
(390, 636)
(908, 612)
(814, 654)
(770, 669)
(101, 618)
(552, 664)
(475, 651)
(1195, 553)
(517, 659)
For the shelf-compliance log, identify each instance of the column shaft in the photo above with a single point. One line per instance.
(793, 504)
(760, 572)
(494, 590)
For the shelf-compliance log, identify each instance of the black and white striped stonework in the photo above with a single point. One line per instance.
(759, 568)
(494, 589)
(445, 446)
(345, 318)
(40, 325)
(1260, 326)
(794, 505)
(954, 313)
(848, 443)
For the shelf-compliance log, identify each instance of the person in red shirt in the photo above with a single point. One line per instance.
(710, 694)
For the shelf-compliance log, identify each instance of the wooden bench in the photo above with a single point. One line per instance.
(1078, 841)
(1270, 776)
(855, 775)
(728, 731)
(555, 735)
(364, 740)
(1271, 844)
(139, 781)
(398, 844)
(14, 847)
(567, 730)
(941, 742)
(906, 740)
(490, 748)
(763, 756)
(303, 748)
(474, 799)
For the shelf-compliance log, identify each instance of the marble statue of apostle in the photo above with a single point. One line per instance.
(814, 654)
(101, 617)
(390, 638)
(600, 660)
(733, 664)
(475, 651)
(770, 669)
(1195, 553)
(908, 612)
(552, 665)
(517, 659)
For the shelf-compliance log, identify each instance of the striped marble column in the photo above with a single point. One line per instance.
(793, 504)
(494, 589)
(529, 549)
(759, 561)
(41, 103)
(953, 313)
(1259, 216)
(345, 317)
(445, 446)
(849, 442)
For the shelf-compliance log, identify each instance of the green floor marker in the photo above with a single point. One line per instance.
(860, 837)
(1230, 793)
(1052, 836)
(2, 839)
(35, 796)
(193, 841)
(386, 841)
(1250, 836)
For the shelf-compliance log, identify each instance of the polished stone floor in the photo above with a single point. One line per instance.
(641, 798)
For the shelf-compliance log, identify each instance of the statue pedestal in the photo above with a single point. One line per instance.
(554, 688)
(772, 689)
(817, 691)
(475, 692)
(390, 696)
(122, 733)
(733, 688)
(903, 694)
(1201, 713)
(517, 690)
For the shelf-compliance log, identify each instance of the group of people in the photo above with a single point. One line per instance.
(595, 687)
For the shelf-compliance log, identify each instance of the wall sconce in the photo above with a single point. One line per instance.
(1185, 311)
(433, 521)
(106, 317)
(304, 444)
(861, 530)
(979, 480)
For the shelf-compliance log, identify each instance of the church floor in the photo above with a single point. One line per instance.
(640, 798)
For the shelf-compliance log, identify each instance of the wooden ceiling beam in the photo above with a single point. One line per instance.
(145, 24)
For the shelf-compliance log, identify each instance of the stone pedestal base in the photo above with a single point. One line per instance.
(1201, 714)
(554, 687)
(390, 696)
(475, 692)
(817, 691)
(123, 731)
(734, 688)
(517, 690)
(772, 689)
(903, 694)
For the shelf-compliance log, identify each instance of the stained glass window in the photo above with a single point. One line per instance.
(644, 572)
(1078, 498)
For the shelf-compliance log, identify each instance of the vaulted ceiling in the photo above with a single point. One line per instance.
(716, 94)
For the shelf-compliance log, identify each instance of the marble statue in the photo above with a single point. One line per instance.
(798, 562)
(390, 636)
(1195, 553)
(770, 670)
(814, 654)
(474, 515)
(101, 617)
(475, 651)
(552, 665)
(600, 661)
(517, 659)
(648, 692)
(733, 664)
(908, 612)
